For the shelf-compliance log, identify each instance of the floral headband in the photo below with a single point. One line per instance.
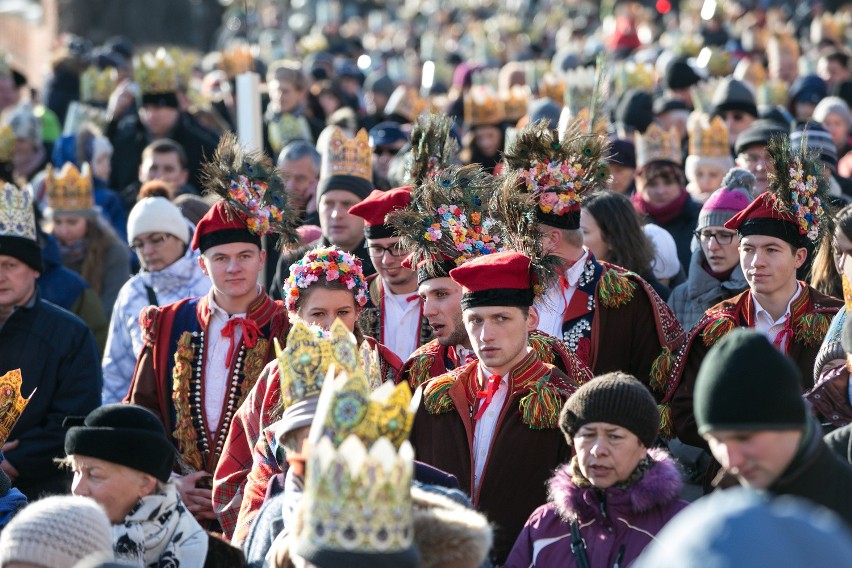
(471, 236)
(556, 185)
(330, 263)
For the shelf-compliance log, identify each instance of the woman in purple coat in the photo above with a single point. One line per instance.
(606, 505)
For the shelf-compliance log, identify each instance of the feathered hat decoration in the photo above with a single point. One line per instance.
(433, 148)
(252, 186)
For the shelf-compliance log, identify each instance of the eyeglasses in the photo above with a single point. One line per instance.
(723, 238)
(385, 151)
(754, 159)
(378, 251)
(154, 240)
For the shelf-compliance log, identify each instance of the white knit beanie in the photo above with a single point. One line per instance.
(56, 532)
(665, 263)
(156, 215)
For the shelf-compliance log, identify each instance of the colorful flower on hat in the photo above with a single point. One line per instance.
(330, 263)
(806, 206)
(556, 185)
(470, 234)
(249, 194)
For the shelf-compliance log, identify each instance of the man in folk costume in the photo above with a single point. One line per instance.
(393, 315)
(493, 422)
(202, 355)
(775, 231)
(610, 317)
(454, 217)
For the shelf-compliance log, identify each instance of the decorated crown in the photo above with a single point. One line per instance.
(552, 87)
(829, 27)
(285, 128)
(251, 185)
(97, 85)
(448, 218)
(7, 143)
(580, 121)
(773, 92)
(515, 102)
(433, 148)
(185, 62)
(482, 107)
(342, 156)
(237, 59)
(709, 142)
(12, 404)
(71, 189)
(16, 213)
(581, 87)
(657, 145)
(330, 263)
(156, 73)
(634, 75)
(405, 102)
(717, 61)
(752, 72)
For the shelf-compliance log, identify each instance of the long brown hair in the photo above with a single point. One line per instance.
(824, 276)
(99, 238)
(622, 230)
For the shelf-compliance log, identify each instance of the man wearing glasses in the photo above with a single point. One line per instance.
(714, 271)
(160, 235)
(394, 313)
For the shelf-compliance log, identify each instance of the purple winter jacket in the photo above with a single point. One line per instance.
(609, 520)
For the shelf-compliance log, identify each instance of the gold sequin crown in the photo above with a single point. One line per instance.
(304, 363)
(97, 85)
(515, 101)
(657, 145)
(717, 61)
(710, 142)
(482, 107)
(185, 62)
(406, 103)
(71, 189)
(357, 497)
(634, 75)
(552, 87)
(773, 92)
(12, 404)
(342, 156)
(157, 73)
(17, 218)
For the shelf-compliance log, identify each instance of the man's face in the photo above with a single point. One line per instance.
(233, 269)
(442, 307)
(660, 190)
(163, 166)
(286, 95)
(757, 459)
(159, 120)
(757, 160)
(769, 264)
(17, 282)
(302, 179)
(487, 139)
(338, 226)
(837, 127)
(832, 71)
(387, 257)
(622, 177)
(156, 251)
(382, 156)
(736, 121)
(720, 247)
(499, 335)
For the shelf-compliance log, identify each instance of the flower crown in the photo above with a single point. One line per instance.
(805, 205)
(470, 235)
(330, 263)
(556, 185)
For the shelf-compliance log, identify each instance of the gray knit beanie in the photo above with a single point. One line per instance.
(56, 532)
(732, 94)
(728, 200)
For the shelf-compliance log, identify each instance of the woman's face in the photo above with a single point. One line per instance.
(838, 128)
(322, 306)
(101, 167)
(708, 177)
(69, 229)
(660, 190)
(593, 236)
(842, 251)
(487, 139)
(607, 454)
(116, 488)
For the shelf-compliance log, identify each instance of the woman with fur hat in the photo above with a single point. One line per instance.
(616, 493)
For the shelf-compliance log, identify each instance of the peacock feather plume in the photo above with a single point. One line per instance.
(433, 148)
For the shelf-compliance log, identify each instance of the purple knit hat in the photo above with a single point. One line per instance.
(727, 201)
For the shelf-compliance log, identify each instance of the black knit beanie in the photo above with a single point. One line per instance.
(746, 383)
(615, 398)
(124, 434)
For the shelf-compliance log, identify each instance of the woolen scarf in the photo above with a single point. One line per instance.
(664, 214)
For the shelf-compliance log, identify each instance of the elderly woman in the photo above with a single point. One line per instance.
(122, 459)
(835, 116)
(607, 504)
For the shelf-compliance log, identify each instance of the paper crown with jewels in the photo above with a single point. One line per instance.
(69, 190)
(286, 128)
(717, 61)
(580, 120)
(7, 143)
(482, 107)
(346, 163)
(12, 404)
(405, 103)
(657, 145)
(17, 219)
(96, 85)
(709, 140)
(552, 87)
(185, 62)
(772, 92)
(515, 101)
(157, 76)
(634, 75)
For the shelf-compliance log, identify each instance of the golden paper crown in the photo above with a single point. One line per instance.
(17, 218)
(304, 363)
(286, 128)
(751, 71)
(185, 62)
(710, 142)
(782, 43)
(7, 143)
(482, 107)
(634, 75)
(552, 87)
(657, 145)
(237, 59)
(357, 497)
(515, 102)
(827, 27)
(773, 92)
(157, 73)
(406, 103)
(580, 122)
(97, 85)
(12, 404)
(342, 156)
(717, 61)
(71, 189)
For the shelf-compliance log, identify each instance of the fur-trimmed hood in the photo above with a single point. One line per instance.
(660, 486)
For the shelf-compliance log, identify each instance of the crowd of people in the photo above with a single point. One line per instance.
(495, 289)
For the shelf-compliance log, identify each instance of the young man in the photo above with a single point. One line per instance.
(493, 422)
(611, 318)
(794, 316)
(393, 316)
(201, 356)
(749, 408)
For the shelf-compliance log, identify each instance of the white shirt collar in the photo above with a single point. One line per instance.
(572, 275)
(760, 311)
(217, 311)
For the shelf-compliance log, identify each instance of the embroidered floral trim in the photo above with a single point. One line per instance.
(330, 263)
(184, 433)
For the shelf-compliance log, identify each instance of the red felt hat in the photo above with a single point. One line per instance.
(763, 217)
(375, 208)
(222, 224)
(497, 279)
